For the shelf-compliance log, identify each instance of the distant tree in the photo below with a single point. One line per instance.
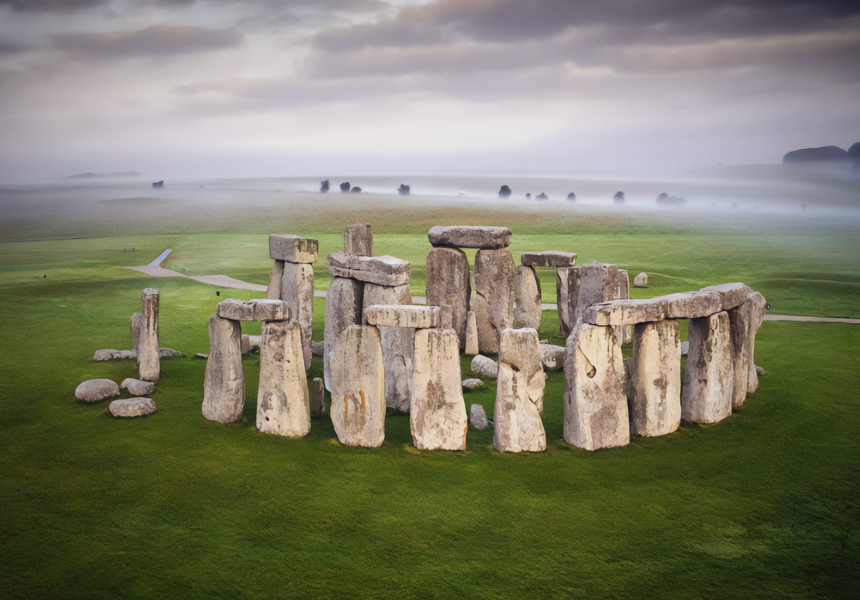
(528, 196)
(619, 198)
(344, 187)
(355, 190)
(572, 197)
(324, 185)
(504, 192)
(403, 190)
(541, 196)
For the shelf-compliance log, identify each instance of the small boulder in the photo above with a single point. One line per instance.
(472, 384)
(482, 365)
(167, 352)
(641, 280)
(106, 354)
(318, 348)
(132, 407)
(478, 417)
(96, 390)
(137, 387)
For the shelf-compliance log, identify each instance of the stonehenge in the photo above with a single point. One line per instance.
(519, 394)
(148, 355)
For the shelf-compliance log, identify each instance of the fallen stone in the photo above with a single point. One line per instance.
(706, 395)
(691, 305)
(317, 398)
(106, 354)
(132, 407)
(397, 345)
(162, 352)
(343, 307)
(495, 282)
(358, 239)
(625, 312)
(317, 348)
(654, 379)
(549, 258)
(381, 270)
(292, 248)
(283, 406)
(201, 355)
(472, 384)
(253, 310)
(471, 347)
(137, 387)
(527, 300)
(297, 290)
(96, 390)
(224, 383)
(551, 356)
(465, 236)
(437, 416)
(641, 280)
(276, 279)
(487, 367)
(519, 394)
(148, 358)
(391, 315)
(478, 416)
(731, 294)
(447, 277)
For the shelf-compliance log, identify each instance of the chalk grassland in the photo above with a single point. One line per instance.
(764, 504)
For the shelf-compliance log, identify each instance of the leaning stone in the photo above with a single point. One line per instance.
(595, 406)
(358, 387)
(391, 315)
(137, 387)
(297, 290)
(519, 394)
(744, 321)
(253, 310)
(317, 398)
(135, 325)
(276, 278)
(487, 338)
(464, 236)
(381, 270)
(478, 417)
(625, 312)
(654, 379)
(397, 345)
(132, 407)
(731, 294)
(472, 384)
(706, 396)
(292, 248)
(691, 305)
(166, 352)
(447, 277)
(283, 406)
(96, 390)
(550, 258)
(358, 239)
(641, 280)
(567, 296)
(343, 307)
(318, 348)
(759, 308)
(495, 282)
(106, 354)
(148, 359)
(437, 416)
(487, 367)
(471, 347)
(224, 384)
(551, 356)
(527, 303)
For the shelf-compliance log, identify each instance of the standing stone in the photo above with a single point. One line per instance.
(567, 295)
(495, 285)
(358, 239)
(358, 388)
(224, 386)
(759, 308)
(398, 344)
(283, 406)
(276, 277)
(624, 332)
(641, 280)
(598, 282)
(519, 394)
(343, 305)
(595, 406)
(654, 379)
(245, 344)
(471, 347)
(438, 414)
(136, 324)
(744, 321)
(552, 357)
(447, 276)
(478, 417)
(297, 290)
(706, 396)
(528, 305)
(317, 398)
(148, 358)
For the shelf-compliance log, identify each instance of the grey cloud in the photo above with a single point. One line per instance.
(158, 40)
(68, 6)
(62, 6)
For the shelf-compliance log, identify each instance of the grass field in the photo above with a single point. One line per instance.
(765, 504)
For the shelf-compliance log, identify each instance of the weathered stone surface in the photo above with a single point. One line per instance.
(519, 394)
(624, 332)
(598, 282)
(380, 270)
(283, 406)
(550, 258)
(685, 348)
(625, 312)
(137, 387)
(132, 407)
(390, 315)
(135, 325)
(465, 236)
(343, 307)
(96, 390)
(691, 305)
(148, 358)
(276, 278)
(654, 379)
(552, 357)
(527, 302)
(641, 280)
(437, 416)
(317, 398)
(472, 383)
(744, 322)
(484, 366)
(731, 294)
(292, 248)
(358, 387)
(759, 308)
(447, 276)
(106, 354)
(495, 282)
(471, 346)
(253, 310)
(567, 296)
(595, 405)
(254, 342)
(318, 348)
(397, 345)
(165, 352)
(224, 385)
(297, 290)
(478, 417)
(446, 318)
(358, 239)
(706, 396)
(245, 344)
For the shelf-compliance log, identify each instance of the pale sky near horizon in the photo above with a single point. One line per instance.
(224, 88)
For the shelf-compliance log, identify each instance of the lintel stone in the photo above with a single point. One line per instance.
(292, 248)
(253, 310)
(467, 236)
(381, 270)
(397, 315)
(731, 294)
(625, 312)
(549, 258)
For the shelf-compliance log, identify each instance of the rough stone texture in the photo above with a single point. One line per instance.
(641, 280)
(317, 348)
(447, 276)
(106, 354)
(472, 383)
(550, 258)
(276, 278)
(96, 390)
(166, 352)
(317, 398)
(552, 357)
(437, 416)
(625, 312)
(519, 394)
(744, 322)
(706, 396)
(416, 317)
(446, 318)
(358, 388)
(283, 406)
(691, 305)
(464, 236)
(731, 294)
(137, 387)
(567, 295)
(245, 344)
(297, 290)
(624, 332)
(135, 325)
(254, 342)
(598, 282)
(148, 358)
(292, 248)
(685, 348)
(527, 303)
(358, 239)
(253, 310)
(224, 385)
(478, 417)
(471, 342)
(595, 405)
(759, 308)
(132, 407)
(381, 270)
(654, 379)
(343, 306)
(495, 290)
(397, 345)
(487, 367)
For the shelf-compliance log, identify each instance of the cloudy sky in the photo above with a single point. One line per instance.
(229, 88)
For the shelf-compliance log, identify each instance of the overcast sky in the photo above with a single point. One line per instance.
(224, 88)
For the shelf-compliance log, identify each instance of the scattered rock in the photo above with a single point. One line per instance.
(472, 384)
(132, 407)
(482, 365)
(106, 354)
(478, 417)
(137, 387)
(641, 280)
(96, 390)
